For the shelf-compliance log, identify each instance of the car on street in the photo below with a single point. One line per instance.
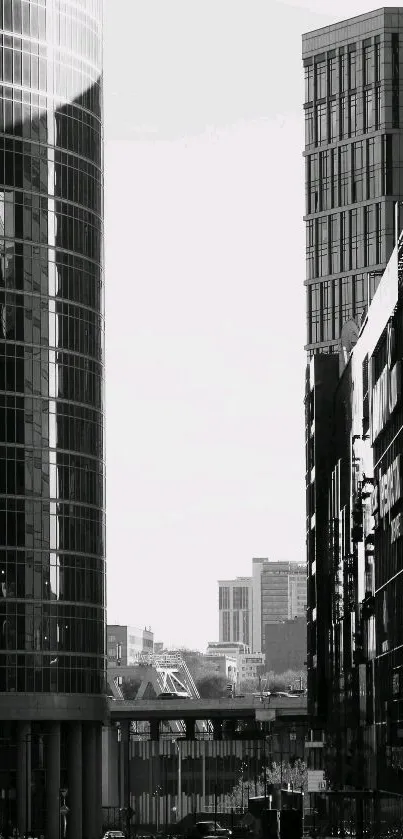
(204, 830)
(168, 695)
(114, 834)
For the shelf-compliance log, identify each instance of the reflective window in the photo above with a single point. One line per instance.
(52, 527)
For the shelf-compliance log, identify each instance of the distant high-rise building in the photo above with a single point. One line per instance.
(279, 594)
(275, 592)
(235, 610)
(126, 643)
(353, 166)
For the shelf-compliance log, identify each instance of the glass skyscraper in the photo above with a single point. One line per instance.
(52, 546)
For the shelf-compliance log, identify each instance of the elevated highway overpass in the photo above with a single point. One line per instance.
(237, 708)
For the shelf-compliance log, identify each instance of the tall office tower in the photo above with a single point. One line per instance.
(235, 610)
(353, 165)
(279, 593)
(279, 589)
(52, 562)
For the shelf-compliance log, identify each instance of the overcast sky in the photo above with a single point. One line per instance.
(205, 303)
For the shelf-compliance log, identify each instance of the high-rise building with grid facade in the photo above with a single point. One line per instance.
(235, 610)
(353, 165)
(52, 554)
(275, 592)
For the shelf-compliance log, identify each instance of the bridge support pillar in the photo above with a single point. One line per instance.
(190, 729)
(217, 729)
(125, 763)
(154, 729)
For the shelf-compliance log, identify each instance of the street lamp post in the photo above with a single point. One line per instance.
(64, 810)
(179, 808)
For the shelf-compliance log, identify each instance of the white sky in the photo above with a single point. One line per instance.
(205, 304)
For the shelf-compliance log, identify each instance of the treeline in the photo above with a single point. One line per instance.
(211, 685)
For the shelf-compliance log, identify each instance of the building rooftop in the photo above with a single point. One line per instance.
(359, 26)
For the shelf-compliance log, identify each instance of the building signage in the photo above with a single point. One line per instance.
(386, 493)
(396, 528)
(385, 397)
(386, 392)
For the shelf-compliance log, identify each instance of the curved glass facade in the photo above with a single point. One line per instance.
(52, 562)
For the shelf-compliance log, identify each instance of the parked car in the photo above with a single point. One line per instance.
(114, 834)
(203, 830)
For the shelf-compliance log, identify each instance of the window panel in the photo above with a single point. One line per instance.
(314, 311)
(342, 72)
(321, 124)
(335, 243)
(333, 135)
(352, 70)
(332, 71)
(346, 299)
(368, 110)
(357, 172)
(344, 174)
(368, 64)
(320, 73)
(309, 83)
(352, 114)
(378, 114)
(322, 247)
(310, 250)
(327, 310)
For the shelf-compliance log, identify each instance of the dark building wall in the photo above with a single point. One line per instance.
(285, 645)
(388, 447)
(321, 383)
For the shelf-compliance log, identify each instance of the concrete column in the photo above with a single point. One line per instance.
(98, 788)
(190, 729)
(125, 746)
(53, 780)
(89, 781)
(23, 777)
(75, 782)
(204, 777)
(154, 729)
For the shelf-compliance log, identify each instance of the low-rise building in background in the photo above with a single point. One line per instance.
(249, 665)
(126, 643)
